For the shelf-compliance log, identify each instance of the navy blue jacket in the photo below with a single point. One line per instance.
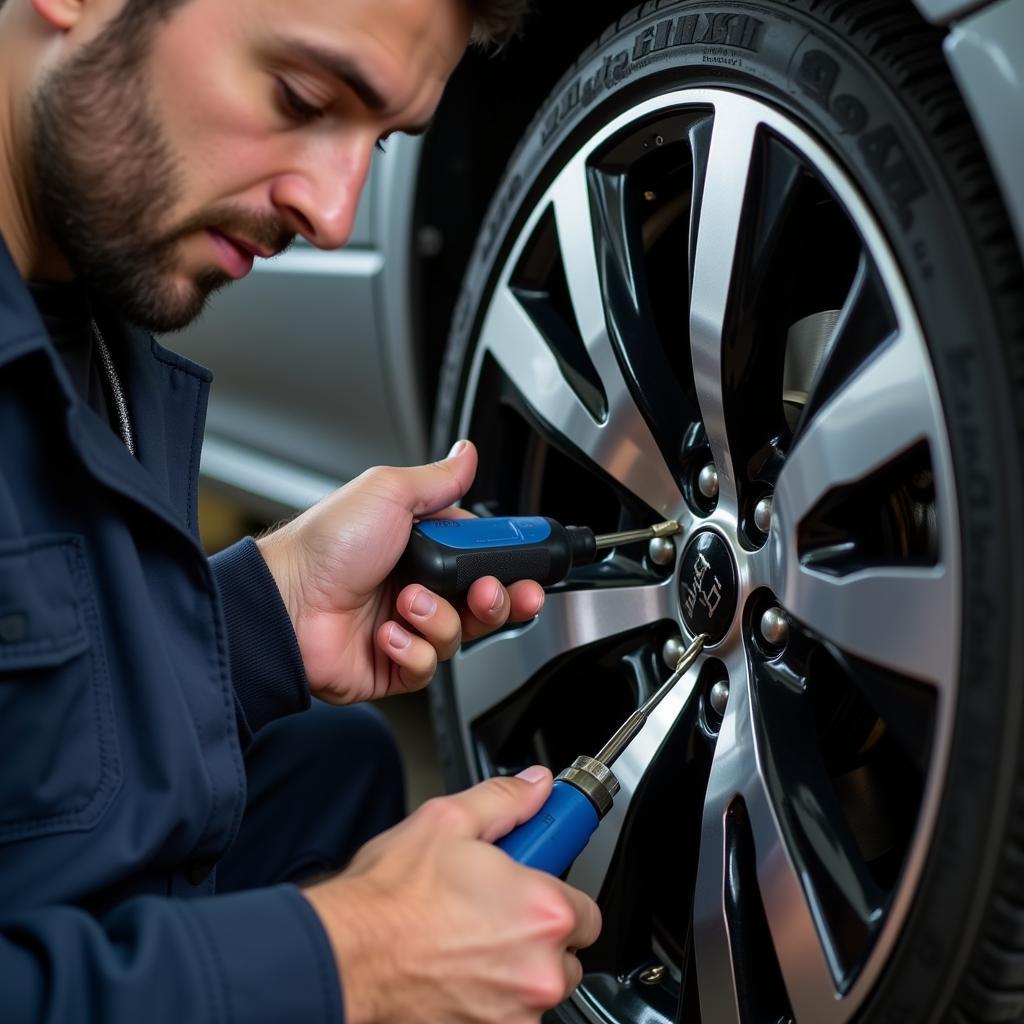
(132, 672)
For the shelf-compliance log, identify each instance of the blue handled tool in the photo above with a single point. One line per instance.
(447, 555)
(582, 795)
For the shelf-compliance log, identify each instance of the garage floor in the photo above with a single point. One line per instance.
(221, 523)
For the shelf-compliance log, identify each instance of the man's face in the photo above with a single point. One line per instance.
(167, 157)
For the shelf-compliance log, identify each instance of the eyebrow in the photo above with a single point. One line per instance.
(348, 72)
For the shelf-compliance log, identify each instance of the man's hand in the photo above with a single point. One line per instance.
(432, 923)
(359, 639)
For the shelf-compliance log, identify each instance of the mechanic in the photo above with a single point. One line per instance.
(162, 810)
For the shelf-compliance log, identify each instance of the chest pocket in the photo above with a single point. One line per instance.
(60, 765)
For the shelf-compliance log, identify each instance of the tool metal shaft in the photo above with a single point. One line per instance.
(628, 730)
(611, 540)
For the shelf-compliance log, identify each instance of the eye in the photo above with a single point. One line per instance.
(294, 106)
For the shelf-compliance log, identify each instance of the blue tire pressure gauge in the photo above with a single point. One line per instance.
(447, 555)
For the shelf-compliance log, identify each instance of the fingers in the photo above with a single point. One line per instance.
(588, 919)
(493, 808)
(573, 974)
(441, 628)
(414, 658)
(527, 599)
(452, 512)
(436, 619)
(489, 605)
(424, 490)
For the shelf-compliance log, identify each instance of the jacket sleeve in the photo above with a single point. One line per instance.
(266, 664)
(257, 957)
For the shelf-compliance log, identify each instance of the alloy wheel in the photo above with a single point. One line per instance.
(701, 319)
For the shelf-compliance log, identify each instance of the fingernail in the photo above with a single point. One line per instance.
(423, 604)
(398, 638)
(532, 774)
(497, 599)
(457, 449)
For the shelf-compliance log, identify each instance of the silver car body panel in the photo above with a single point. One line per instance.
(941, 11)
(986, 55)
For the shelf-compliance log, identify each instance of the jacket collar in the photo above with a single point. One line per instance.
(166, 394)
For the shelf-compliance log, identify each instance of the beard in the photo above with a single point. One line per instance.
(107, 182)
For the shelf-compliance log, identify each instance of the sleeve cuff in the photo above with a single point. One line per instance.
(270, 956)
(266, 663)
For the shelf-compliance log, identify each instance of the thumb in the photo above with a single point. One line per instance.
(493, 808)
(428, 489)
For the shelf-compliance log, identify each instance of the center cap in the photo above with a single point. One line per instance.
(708, 587)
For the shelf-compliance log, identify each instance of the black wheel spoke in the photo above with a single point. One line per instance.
(865, 324)
(847, 900)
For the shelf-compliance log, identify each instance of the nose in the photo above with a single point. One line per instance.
(318, 197)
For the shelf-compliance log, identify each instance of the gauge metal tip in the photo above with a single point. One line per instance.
(669, 528)
(629, 729)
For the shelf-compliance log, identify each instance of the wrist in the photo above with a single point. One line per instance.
(276, 551)
(346, 913)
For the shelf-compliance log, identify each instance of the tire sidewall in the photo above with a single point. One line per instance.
(782, 53)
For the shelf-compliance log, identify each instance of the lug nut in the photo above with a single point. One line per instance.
(707, 481)
(661, 551)
(719, 697)
(672, 651)
(775, 626)
(763, 514)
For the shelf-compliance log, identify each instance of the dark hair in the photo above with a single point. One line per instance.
(497, 21)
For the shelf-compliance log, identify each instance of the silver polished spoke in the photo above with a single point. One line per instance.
(512, 338)
(490, 670)
(721, 208)
(591, 867)
(881, 412)
(802, 959)
(729, 770)
(623, 443)
(886, 615)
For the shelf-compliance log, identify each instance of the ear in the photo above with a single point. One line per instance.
(61, 14)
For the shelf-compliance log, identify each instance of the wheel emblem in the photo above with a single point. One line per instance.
(708, 586)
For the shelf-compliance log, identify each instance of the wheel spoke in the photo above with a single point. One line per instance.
(887, 616)
(729, 161)
(809, 815)
(663, 393)
(488, 672)
(623, 444)
(591, 867)
(884, 614)
(865, 323)
(715, 974)
(882, 411)
(717, 928)
(805, 969)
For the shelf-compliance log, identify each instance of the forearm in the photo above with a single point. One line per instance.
(258, 957)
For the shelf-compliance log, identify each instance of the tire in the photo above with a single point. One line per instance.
(858, 360)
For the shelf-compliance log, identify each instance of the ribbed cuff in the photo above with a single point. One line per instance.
(271, 956)
(266, 663)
